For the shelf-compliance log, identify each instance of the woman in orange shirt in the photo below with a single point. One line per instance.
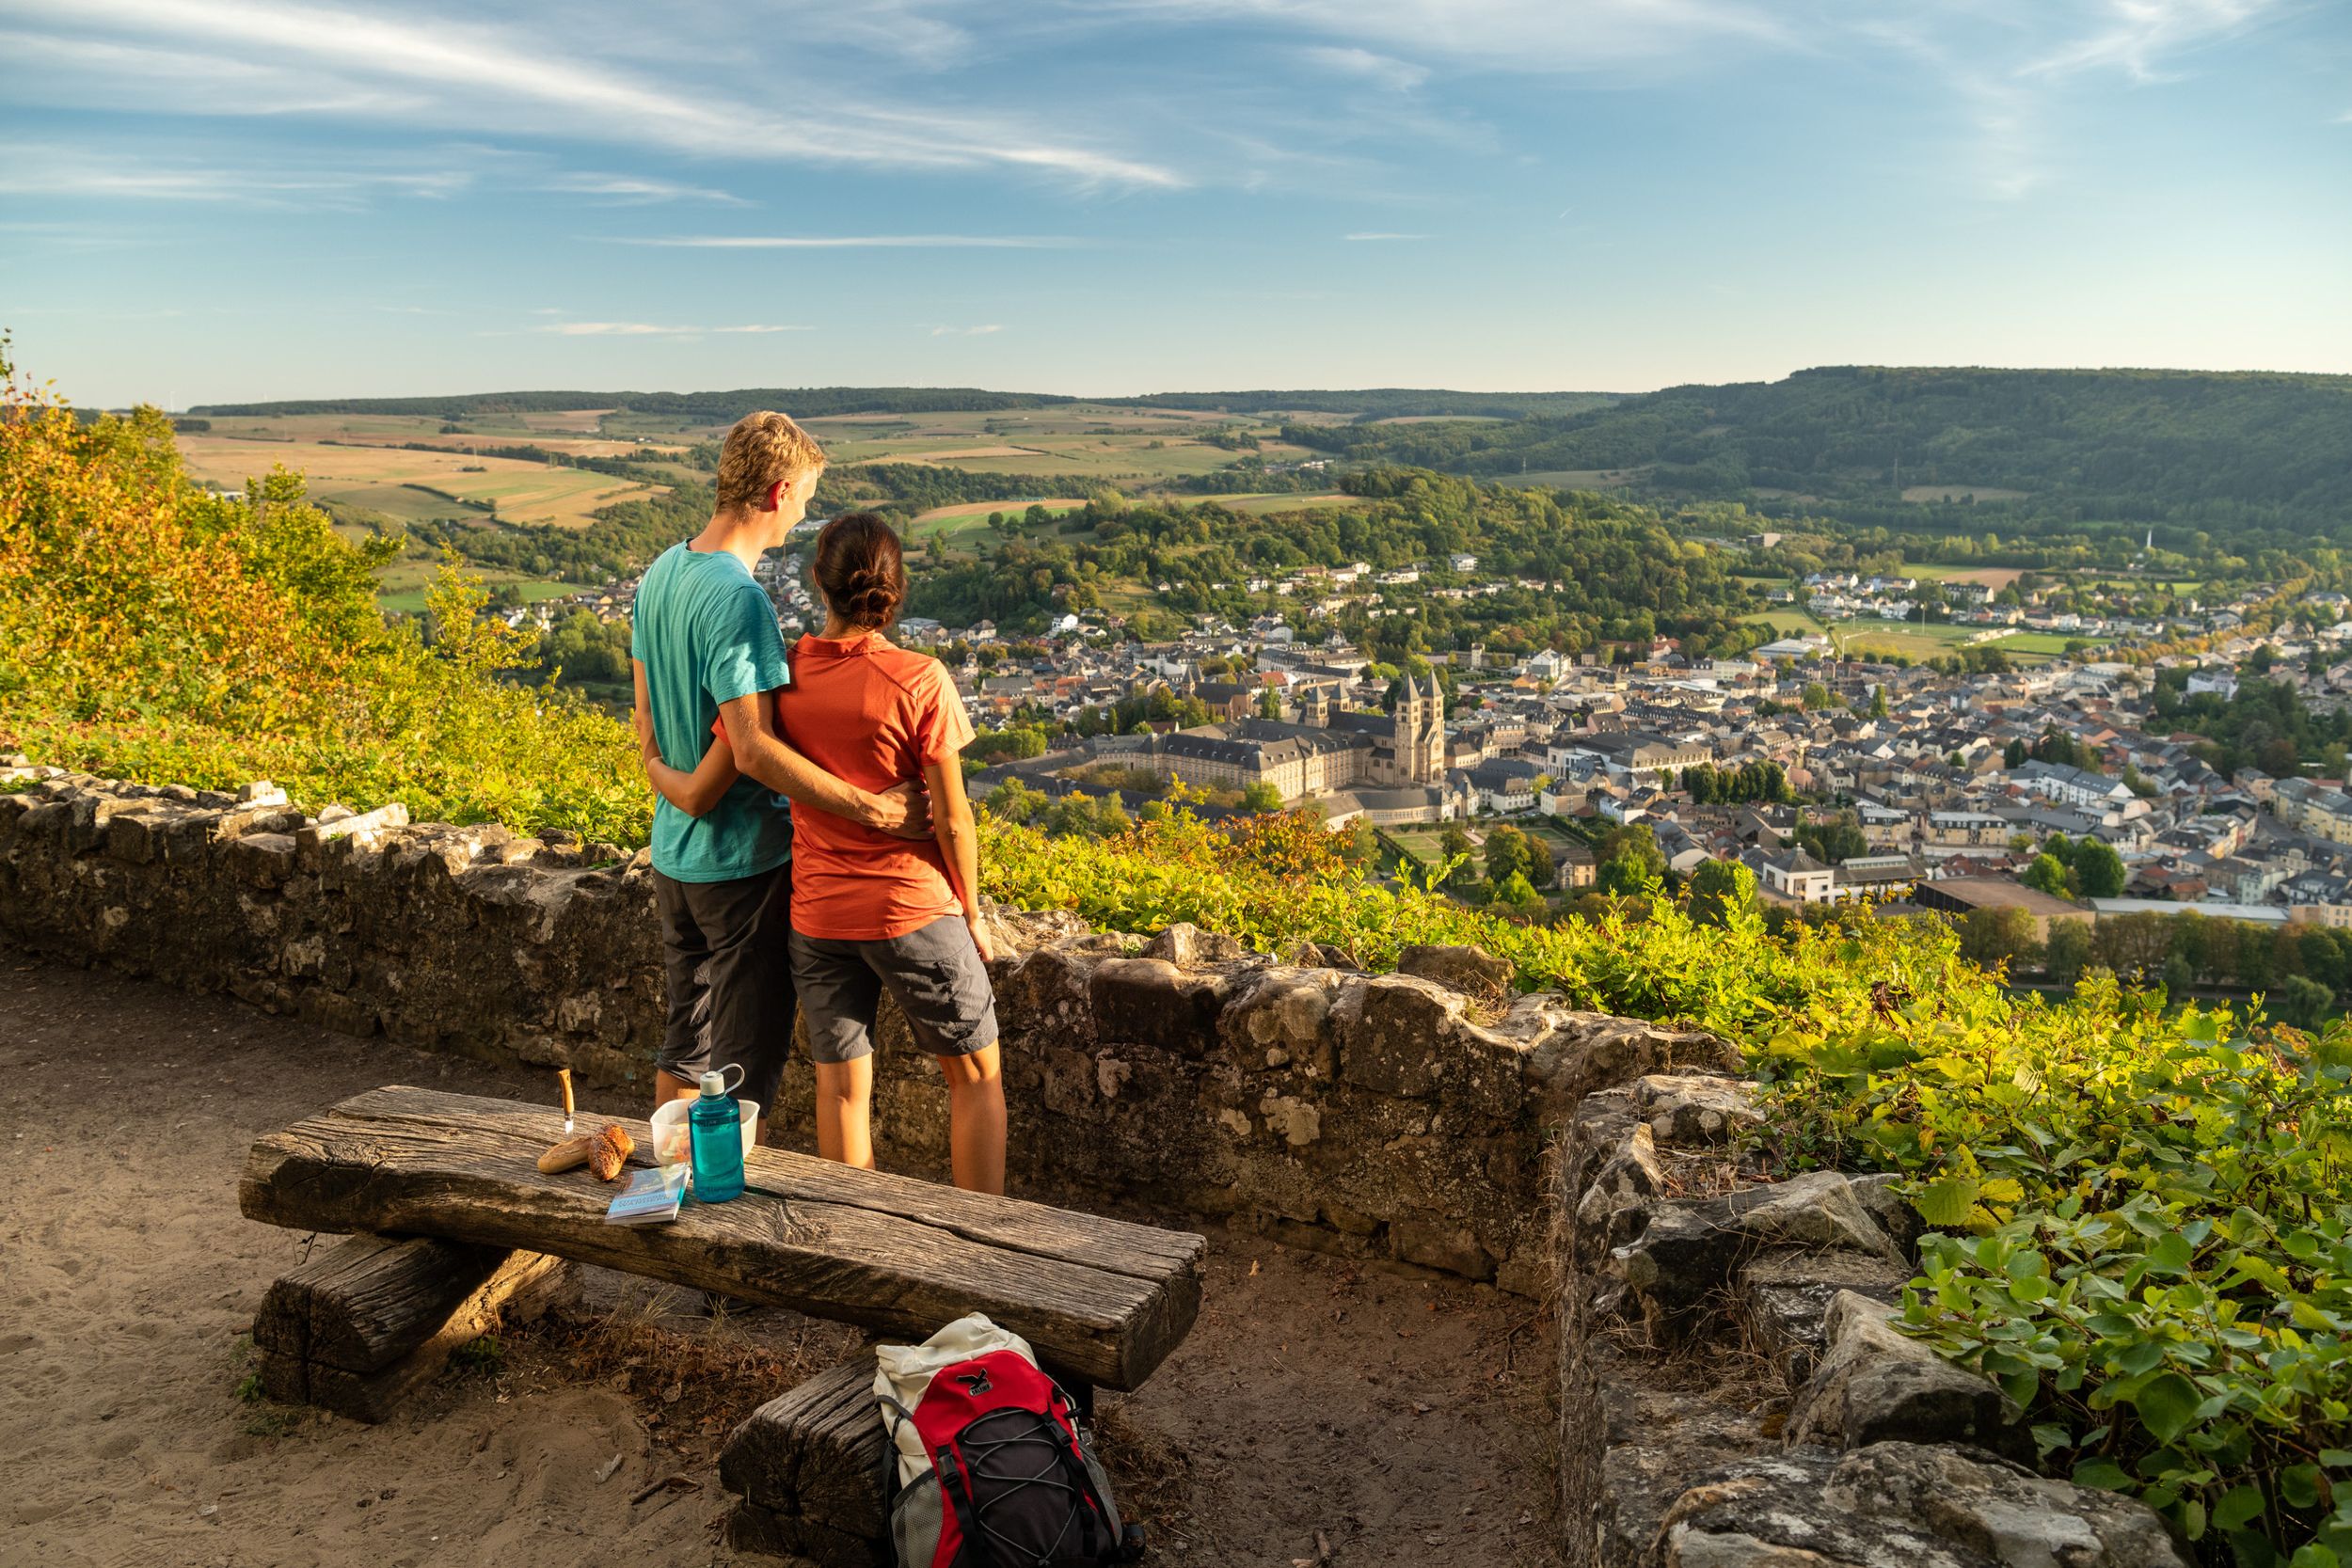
(871, 912)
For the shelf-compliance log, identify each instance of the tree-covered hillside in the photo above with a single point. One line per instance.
(2129, 446)
(1618, 572)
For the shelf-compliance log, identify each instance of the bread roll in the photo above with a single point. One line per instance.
(610, 1152)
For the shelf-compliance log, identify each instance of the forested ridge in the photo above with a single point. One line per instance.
(1615, 570)
(2147, 446)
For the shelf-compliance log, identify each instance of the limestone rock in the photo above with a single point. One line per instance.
(1473, 971)
(1876, 1384)
(1391, 1029)
(1151, 1002)
(1572, 1053)
(1895, 1215)
(1688, 1109)
(1903, 1504)
(1187, 946)
(1784, 1297)
(1321, 955)
(1687, 1252)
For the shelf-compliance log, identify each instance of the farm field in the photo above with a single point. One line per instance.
(1117, 446)
(1960, 492)
(380, 479)
(576, 432)
(1572, 478)
(950, 523)
(401, 584)
(1279, 501)
(1996, 578)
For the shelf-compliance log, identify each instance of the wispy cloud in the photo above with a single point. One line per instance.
(1376, 235)
(49, 168)
(852, 241)
(2141, 37)
(1579, 36)
(636, 189)
(1384, 69)
(650, 329)
(965, 331)
(414, 70)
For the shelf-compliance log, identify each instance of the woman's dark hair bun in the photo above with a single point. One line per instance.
(860, 569)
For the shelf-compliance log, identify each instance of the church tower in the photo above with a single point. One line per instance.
(1420, 732)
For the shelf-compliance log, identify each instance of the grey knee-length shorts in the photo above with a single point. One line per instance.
(934, 973)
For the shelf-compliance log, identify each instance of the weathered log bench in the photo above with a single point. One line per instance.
(1102, 1301)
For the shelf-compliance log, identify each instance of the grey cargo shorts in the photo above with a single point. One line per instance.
(934, 973)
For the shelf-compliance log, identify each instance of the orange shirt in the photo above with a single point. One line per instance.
(872, 714)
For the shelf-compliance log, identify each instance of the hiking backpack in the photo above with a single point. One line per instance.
(1013, 1481)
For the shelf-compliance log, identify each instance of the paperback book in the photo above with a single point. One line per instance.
(651, 1196)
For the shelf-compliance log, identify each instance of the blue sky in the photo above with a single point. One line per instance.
(212, 200)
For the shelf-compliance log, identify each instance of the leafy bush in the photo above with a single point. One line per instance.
(2146, 1238)
(153, 629)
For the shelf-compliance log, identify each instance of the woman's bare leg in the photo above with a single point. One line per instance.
(975, 1120)
(845, 1112)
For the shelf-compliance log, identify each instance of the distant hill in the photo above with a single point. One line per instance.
(715, 408)
(1903, 449)
(816, 401)
(2212, 448)
(1381, 402)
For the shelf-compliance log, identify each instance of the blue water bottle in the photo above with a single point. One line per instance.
(714, 1129)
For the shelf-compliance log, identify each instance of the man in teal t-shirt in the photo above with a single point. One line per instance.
(707, 656)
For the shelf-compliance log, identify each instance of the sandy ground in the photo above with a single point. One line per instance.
(1317, 1407)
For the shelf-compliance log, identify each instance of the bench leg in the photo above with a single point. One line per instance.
(807, 1469)
(367, 1321)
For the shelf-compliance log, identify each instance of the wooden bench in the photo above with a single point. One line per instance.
(1102, 1301)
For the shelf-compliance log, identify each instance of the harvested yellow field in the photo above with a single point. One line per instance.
(503, 489)
(956, 454)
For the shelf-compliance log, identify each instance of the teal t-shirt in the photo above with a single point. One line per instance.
(707, 635)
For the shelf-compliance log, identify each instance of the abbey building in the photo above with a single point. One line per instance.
(1393, 766)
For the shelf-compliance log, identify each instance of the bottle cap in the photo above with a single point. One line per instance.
(714, 1085)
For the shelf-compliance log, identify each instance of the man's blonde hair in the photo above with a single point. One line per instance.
(763, 449)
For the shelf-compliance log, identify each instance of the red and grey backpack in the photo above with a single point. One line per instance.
(1013, 1481)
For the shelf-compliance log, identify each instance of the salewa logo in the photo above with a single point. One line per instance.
(976, 1383)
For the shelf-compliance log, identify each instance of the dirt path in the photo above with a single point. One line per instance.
(1402, 1418)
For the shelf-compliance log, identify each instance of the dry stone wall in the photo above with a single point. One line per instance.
(1396, 1117)
(1732, 1393)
